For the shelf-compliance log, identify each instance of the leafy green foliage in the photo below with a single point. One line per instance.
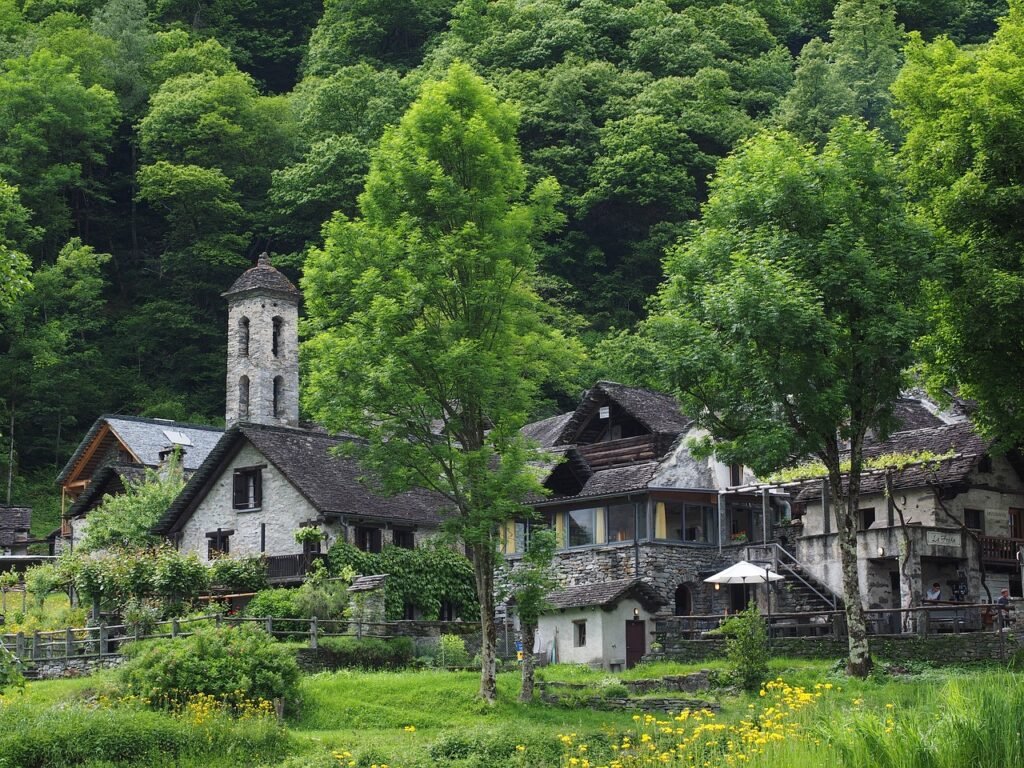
(451, 651)
(746, 646)
(897, 461)
(422, 578)
(239, 574)
(370, 652)
(126, 520)
(214, 660)
(960, 100)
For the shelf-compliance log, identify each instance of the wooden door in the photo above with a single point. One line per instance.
(636, 642)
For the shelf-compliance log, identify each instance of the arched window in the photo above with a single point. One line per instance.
(243, 337)
(278, 396)
(276, 341)
(243, 397)
(684, 601)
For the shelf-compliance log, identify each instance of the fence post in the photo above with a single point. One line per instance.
(313, 643)
(270, 625)
(69, 643)
(104, 640)
(36, 650)
(175, 628)
(217, 618)
(19, 645)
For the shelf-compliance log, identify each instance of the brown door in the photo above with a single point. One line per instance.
(636, 642)
(1016, 523)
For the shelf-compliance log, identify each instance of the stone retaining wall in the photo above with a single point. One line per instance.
(52, 669)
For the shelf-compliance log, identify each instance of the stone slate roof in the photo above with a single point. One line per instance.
(655, 410)
(606, 594)
(146, 438)
(634, 477)
(547, 431)
(368, 583)
(959, 437)
(14, 522)
(333, 485)
(263, 277)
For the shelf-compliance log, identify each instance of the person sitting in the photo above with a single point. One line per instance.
(1003, 601)
(935, 593)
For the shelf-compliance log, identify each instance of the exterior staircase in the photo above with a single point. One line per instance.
(801, 592)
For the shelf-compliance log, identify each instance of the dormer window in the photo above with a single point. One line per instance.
(277, 339)
(243, 337)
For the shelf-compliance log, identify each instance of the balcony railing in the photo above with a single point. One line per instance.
(289, 567)
(999, 550)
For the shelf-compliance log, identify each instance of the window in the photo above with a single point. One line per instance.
(866, 517)
(368, 538)
(243, 337)
(621, 522)
(579, 633)
(243, 397)
(447, 612)
(581, 527)
(404, 538)
(408, 611)
(278, 396)
(217, 544)
(248, 488)
(974, 519)
(276, 339)
(735, 474)
(686, 522)
(311, 547)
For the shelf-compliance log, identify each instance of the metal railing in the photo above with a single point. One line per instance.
(785, 563)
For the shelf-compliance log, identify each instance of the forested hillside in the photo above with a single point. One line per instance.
(149, 149)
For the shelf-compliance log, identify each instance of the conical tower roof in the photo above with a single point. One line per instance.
(263, 277)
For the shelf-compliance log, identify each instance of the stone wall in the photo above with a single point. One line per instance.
(52, 669)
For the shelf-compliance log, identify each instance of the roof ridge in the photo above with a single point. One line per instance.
(156, 421)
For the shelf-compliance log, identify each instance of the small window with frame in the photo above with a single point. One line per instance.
(579, 633)
(403, 538)
(247, 489)
(866, 518)
(218, 544)
(974, 520)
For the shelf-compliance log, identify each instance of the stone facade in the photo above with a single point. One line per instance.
(254, 319)
(282, 512)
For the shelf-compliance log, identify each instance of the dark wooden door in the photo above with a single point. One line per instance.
(636, 642)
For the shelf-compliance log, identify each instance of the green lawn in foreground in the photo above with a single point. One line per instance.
(433, 718)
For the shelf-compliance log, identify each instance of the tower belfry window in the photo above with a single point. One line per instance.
(278, 396)
(243, 397)
(243, 337)
(276, 339)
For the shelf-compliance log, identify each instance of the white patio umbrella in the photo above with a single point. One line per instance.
(747, 573)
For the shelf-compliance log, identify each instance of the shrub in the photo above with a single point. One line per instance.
(239, 574)
(219, 661)
(746, 646)
(277, 604)
(451, 651)
(370, 652)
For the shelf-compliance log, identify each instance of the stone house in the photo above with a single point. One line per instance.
(956, 518)
(629, 501)
(15, 530)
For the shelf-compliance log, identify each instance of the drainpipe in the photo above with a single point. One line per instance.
(721, 519)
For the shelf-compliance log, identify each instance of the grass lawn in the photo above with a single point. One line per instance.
(936, 718)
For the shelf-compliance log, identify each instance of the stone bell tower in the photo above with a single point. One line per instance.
(263, 348)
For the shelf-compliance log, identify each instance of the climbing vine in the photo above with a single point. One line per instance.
(424, 577)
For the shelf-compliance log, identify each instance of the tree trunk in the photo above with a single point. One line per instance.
(529, 662)
(482, 557)
(858, 663)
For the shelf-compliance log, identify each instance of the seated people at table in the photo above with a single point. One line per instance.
(935, 593)
(1003, 601)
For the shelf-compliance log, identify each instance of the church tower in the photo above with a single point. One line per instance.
(263, 348)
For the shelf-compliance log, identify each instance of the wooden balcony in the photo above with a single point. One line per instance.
(999, 550)
(289, 568)
(628, 450)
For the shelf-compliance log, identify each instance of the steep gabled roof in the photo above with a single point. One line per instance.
(606, 594)
(657, 411)
(332, 484)
(144, 439)
(112, 479)
(547, 431)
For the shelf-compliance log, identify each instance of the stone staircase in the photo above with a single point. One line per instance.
(801, 592)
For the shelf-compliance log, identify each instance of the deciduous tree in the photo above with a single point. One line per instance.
(788, 318)
(428, 339)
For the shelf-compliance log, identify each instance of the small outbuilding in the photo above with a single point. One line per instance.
(605, 625)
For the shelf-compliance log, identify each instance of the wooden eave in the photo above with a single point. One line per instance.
(80, 476)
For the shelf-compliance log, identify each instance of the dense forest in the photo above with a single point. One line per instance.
(149, 149)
